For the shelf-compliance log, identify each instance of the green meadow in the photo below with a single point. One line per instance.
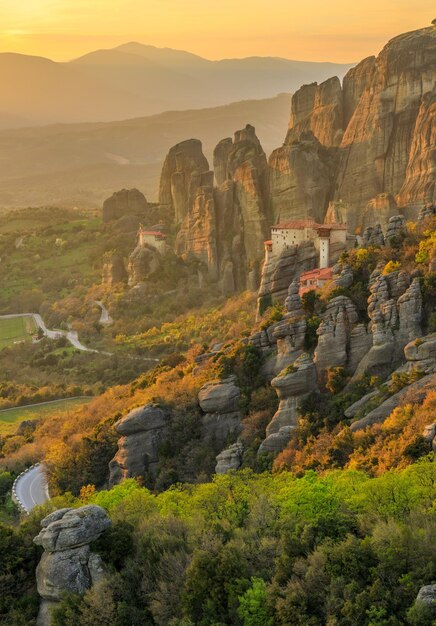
(16, 329)
(11, 418)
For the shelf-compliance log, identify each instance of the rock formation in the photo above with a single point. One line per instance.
(292, 385)
(378, 211)
(229, 459)
(419, 186)
(142, 431)
(373, 236)
(122, 203)
(279, 272)
(342, 340)
(368, 145)
(301, 177)
(395, 310)
(429, 435)
(318, 108)
(180, 177)
(427, 597)
(114, 270)
(67, 564)
(376, 147)
(241, 203)
(418, 389)
(143, 261)
(219, 399)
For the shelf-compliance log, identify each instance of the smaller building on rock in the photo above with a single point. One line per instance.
(314, 279)
(155, 238)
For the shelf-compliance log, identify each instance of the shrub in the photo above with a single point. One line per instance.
(391, 266)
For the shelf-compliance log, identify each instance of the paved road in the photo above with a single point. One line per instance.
(71, 335)
(28, 406)
(105, 318)
(31, 488)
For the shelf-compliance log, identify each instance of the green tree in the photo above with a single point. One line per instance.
(253, 609)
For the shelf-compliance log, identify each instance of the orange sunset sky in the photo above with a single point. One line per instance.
(336, 30)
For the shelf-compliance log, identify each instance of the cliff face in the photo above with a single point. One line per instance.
(376, 136)
(377, 143)
(241, 202)
(358, 153)
(223, 227)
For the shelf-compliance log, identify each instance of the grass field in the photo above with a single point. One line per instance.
(16, 329)
(11, 418)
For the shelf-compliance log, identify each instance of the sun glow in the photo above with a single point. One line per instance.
(335, 31)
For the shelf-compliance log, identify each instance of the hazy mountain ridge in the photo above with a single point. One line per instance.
(81, 164)
(134, 80)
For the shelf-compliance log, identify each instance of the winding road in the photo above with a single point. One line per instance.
(70, 335)
(105, 318)
(31, 488)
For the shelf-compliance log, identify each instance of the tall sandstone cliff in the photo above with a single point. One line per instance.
(358, 153)
(376, 135)
(224, 227)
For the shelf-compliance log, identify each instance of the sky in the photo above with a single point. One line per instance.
(310, 30)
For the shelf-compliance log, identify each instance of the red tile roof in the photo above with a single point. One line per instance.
(321, 274)
(297, 224)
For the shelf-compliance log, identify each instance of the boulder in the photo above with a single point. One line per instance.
(429, 435)
(124, 202)
(67, 564)
(114, 270)
(219, 396)
(427, 597)
(144, 261)
(229, 459)
(291, 385)
(142, 432)
(219, 399)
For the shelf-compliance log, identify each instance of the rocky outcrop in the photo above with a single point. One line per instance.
(220, 160)
(419, 186)
(342, 340)
(419, 389)
(395, 310)
(421, 354)
(427, 597)
(301, 176)
(376, 146)
(122, 203)
(318, 108)
(283, 341)
(378, 211)
(242, 208)
(197, 234)
(373, 236)
(180, 177)
(114, 270)
(67, 564)
(225, 227)
(144, 261)
(396, 227)
(292, 385)
(368, 146)
(229, 459)
(429, 435)
(219, 399)
(279, 272)
(356, 82)
(142, 432)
